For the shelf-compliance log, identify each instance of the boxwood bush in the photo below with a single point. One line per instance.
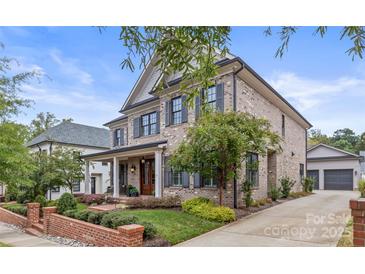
(66, 202)
(204, 208)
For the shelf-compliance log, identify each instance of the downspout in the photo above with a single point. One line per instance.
(234, 80)
(306, 152)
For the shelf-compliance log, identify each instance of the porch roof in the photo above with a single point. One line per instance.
(125, 149)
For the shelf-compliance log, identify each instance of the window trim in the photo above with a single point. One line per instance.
(211, 179)
(149, 124)
(205, 96)
(250, 170)
(301, 171)
(79, 186)
(118, 139)
(173, 122)
(172, 178)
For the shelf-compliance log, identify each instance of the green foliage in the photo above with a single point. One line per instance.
(150, 231)
(132, 191)
(274, 193)
(71, 213)
(361, 187)
(286, 185)
(41, 123)
(67, 167)
(189, 204)
(262, 201)
(205, 209)
(66, 202)
(83, 215)
(247, 189)
(41, 200)
(24, 197)
(222, 140)
(308, 184)
(96, 217)
(17, 208)
(11, 193)
(255, 203)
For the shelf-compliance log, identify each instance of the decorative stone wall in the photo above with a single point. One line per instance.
(358, 214)
(58, 225)
(9, 217)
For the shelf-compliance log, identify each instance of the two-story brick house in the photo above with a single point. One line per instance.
(153, 123)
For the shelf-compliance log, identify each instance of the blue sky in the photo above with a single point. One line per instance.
(83, 79)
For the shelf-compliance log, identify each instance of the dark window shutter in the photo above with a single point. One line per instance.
(197, 107)
(185, 179)
(136, 127)
(220, 97)
(184, 109)
(157, 122)
(197, 183)
(167, 113)
(167, 173)
(122, 136)
(115, 138)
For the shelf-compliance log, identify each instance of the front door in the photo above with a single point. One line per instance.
(148, 177)
(93, 185)
(123, 179)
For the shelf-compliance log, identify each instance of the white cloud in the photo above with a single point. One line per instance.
(306, 93)
(70, 67)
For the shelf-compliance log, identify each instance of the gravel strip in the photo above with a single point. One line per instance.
(14, 227)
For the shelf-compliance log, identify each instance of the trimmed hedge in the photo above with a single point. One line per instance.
(17, 209)
(90, 199)
(66, 202)
(204, 208)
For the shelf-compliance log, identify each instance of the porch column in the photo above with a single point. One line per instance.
(115, 177)
(87, 177)
(158, 173)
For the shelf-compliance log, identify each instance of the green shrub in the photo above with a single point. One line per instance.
(262, 202)
(132, 191)
(247, 189)
(274, 193)
(17, 209)
(255, 203)
(361, 186)
(66, 202)
(189, 204)
(150, 230)
(11, 194)
(96, 217)
(123, 220)
(52, 203)
(41, 200)
(82, 215)
(70, 213)
(204, 208)
(286, 186)
(308, 184)
(23, 198)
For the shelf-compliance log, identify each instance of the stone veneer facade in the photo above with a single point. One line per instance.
(249, 100)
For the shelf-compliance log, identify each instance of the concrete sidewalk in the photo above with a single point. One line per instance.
(20, 239)
(316, 220)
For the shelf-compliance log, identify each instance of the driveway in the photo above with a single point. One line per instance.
(316, 220)
(21, 239)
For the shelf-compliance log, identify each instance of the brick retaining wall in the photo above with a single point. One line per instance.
(9, 217)
(62, 226)
(358, 214)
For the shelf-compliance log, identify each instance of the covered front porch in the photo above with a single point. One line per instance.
(138, 165)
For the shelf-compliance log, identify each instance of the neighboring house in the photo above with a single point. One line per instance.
(153, 123)
(362, 163)
(333, 168)
(83, 138)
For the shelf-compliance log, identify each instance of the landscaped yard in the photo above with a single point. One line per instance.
(173, 225)
(4, 245)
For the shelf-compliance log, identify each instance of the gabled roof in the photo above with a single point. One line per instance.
(343, 152)
(120, 118)
(74, 134)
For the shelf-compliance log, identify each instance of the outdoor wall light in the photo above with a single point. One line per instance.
(292, 153)
(142, 161)
(133, 169)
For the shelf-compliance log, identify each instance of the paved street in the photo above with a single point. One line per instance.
(20, 239)
(316, 220)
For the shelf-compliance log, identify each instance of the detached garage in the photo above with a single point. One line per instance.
(333, 168)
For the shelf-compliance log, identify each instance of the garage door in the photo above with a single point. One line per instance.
(338, 179)
(315, 175)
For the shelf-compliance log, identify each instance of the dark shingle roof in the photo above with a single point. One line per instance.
(75, 134)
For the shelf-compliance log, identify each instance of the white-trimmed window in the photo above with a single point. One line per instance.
(149, 124)
(211, 97)
(176, 178)
(176, 110)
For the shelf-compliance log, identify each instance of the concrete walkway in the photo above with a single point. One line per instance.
(16, 238)
(316, 220)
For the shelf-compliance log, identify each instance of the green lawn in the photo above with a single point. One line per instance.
(174, 226)
(81, 207)
(4, 245)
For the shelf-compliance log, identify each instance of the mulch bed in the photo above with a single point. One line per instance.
(156, 242)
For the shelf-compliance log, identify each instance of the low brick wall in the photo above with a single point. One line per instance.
(58, 225)
(358, 214)
(9, 217)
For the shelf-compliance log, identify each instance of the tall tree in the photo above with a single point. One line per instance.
(68, 167)
(221, 141)
(315, 137)
(347, 135)
(41, 123)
